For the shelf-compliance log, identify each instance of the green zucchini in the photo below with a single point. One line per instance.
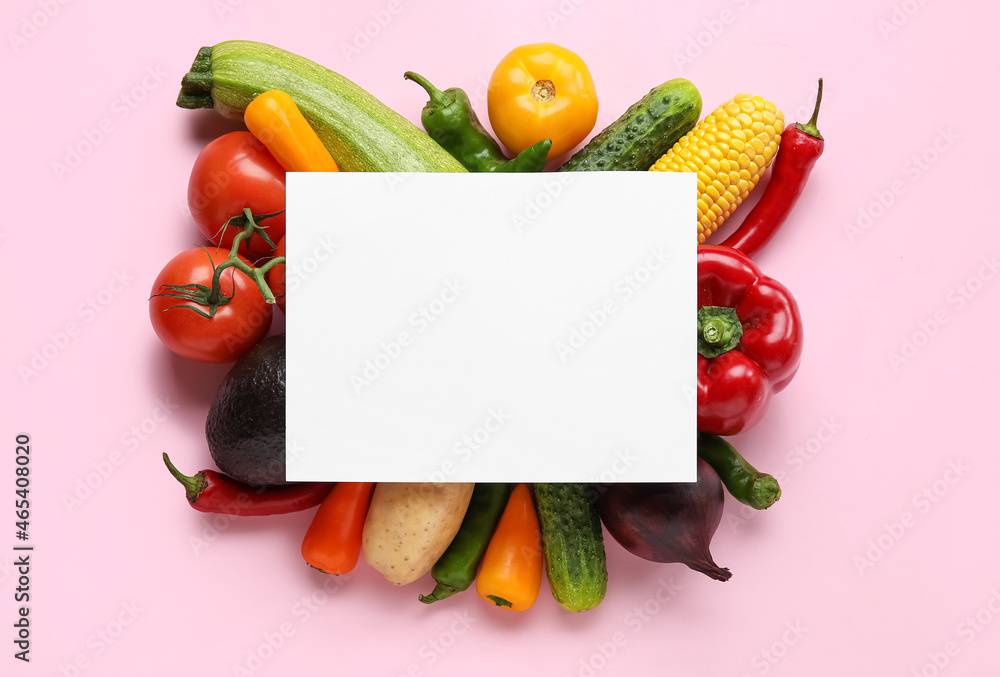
(573, 541)
(361, 133)
(647, 130)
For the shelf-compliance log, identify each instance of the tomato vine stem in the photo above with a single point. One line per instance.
(213, 297)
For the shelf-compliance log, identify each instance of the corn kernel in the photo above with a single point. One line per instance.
(729, 151)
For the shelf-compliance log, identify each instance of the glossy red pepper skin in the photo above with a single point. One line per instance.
(214, 492)
(801, 145)
(735, 388)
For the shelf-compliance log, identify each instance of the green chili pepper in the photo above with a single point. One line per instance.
(450, 120)
(456, 569)
(747, 485)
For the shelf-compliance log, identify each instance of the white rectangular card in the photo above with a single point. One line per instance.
(491, 327)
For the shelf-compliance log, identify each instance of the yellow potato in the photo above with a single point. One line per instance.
(411, 524)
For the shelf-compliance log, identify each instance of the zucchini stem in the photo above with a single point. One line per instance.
(196, 85)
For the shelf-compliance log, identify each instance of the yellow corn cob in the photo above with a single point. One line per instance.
(729, 150)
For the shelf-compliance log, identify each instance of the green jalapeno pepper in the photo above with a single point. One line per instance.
(450, 120)
(747, 485)
(456, 569)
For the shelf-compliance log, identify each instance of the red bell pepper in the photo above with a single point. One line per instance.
(749, 340)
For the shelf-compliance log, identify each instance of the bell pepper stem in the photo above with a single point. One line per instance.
(714, 331)
(719, 330)
(438, 99)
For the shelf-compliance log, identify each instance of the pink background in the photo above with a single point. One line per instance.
(132, 581)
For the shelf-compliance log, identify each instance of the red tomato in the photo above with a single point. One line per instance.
(237, 325)
(233, 172)
(276, 277)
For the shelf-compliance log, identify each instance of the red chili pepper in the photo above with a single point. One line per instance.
(211, 491)
(801, 145)
(749, 340)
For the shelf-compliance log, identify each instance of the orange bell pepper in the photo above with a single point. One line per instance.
(277, 123)
(332, 543)
(511, 573)
(542, 91)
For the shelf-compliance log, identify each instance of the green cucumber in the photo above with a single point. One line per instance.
(647, 130)
(573, 541)
(361, 133)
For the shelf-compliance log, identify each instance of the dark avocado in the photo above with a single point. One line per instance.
(246, 422)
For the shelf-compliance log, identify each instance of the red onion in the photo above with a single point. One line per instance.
(668, 522)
